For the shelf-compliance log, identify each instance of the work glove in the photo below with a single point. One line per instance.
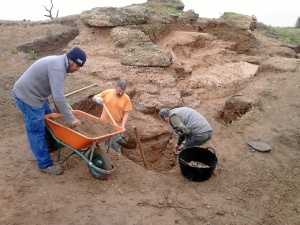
(99, 100)
(182, 130)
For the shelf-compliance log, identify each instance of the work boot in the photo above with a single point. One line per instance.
(55, 170)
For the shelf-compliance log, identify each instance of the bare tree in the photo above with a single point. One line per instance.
(50, 11)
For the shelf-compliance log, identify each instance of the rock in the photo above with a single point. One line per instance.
(260, 146)
(112, 17)
(280, 64)
(297, 49)
(178, 4)
(147, 56)
(282, 51)
(242, 22)
(128, 37)
(138, 50)
(220, 213)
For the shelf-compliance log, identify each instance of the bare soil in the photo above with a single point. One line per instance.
(247, 187)
(89, 127)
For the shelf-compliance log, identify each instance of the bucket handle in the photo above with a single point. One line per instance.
(211, 150)
(184, 162)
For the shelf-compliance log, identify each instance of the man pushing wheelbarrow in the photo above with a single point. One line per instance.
(43, 78)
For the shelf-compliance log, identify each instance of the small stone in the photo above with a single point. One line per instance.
(221, 213)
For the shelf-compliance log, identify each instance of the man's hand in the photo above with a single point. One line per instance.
(177, 149)
(75, 123)
(99, 100)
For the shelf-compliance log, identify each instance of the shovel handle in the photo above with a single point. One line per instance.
(110, 116)
(140, 146)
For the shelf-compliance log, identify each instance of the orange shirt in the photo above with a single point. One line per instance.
(116, 105)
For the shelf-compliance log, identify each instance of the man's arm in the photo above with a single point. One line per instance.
(125, 119)
(179, 129)
(178, 126)
(56, 79)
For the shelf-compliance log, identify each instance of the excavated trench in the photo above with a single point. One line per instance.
(158, 150)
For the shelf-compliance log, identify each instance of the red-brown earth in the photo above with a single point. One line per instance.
(247, 186)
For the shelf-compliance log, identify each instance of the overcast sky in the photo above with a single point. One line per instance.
(270, 12)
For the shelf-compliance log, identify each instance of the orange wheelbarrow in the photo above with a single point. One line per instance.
(98, 160)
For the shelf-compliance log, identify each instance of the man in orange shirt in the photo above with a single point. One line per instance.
(118, 104)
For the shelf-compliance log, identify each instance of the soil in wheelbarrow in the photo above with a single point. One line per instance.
(88, 127)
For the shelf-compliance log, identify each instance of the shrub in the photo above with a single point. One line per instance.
(14, 50)
(31, 55)
(288, 35)
(49, 33)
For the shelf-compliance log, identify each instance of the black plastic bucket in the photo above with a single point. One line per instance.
(201, 156)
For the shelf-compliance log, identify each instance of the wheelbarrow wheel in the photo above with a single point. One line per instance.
(101, 160)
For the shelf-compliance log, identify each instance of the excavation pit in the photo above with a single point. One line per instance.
(158, 149)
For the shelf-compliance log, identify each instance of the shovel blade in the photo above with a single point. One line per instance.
(126, 141)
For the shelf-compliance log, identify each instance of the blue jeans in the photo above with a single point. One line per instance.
(198, 140)
(35, 128)
(112, 142)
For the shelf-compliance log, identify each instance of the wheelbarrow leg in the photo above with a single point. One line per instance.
(92, 152)
(60, 154)
(112, 144)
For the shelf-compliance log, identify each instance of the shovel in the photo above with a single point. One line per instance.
(125, 140)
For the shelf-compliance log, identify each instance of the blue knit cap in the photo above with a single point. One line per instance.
(77, 56)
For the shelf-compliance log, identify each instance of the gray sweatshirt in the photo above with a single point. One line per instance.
(43, 78)
(191, 119)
